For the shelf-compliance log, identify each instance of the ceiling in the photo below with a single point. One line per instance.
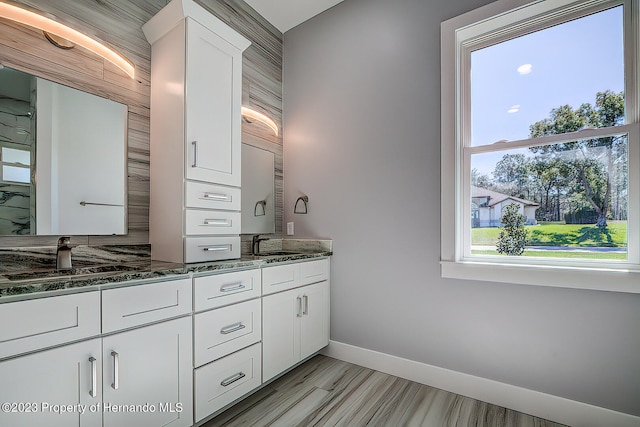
(286, 14)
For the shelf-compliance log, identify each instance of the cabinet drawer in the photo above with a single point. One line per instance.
(280, 278)
(225, 330)
(35, 324)
(223, 381)
(314, 271)
(224, 289)
(210, 196)
(138, 305)
(211, 222)
(201, 249)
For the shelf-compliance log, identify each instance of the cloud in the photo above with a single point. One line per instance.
(525, 69)
(514, 109)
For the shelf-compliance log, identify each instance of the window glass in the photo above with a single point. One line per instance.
(522, 82)
(11, 155)
(573, 198)
(15, 174)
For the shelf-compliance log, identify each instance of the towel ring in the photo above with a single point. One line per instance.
(262, 203)
(305, 200)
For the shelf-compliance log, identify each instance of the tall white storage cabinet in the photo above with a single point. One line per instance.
(196, 95)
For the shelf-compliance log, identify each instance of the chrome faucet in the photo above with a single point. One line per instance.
(63, 254)
(255, 244)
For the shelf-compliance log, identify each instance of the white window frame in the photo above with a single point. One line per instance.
(491, 24)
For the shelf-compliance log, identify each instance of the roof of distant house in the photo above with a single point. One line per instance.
(494, 197)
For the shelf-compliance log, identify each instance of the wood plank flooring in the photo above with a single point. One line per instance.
(329, 392)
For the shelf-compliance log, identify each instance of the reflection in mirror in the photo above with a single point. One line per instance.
(17, 149)
(258, 189)
(78, 160)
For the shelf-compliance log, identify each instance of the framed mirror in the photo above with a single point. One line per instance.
(62, 159)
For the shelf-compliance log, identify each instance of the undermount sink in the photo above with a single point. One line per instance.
(74, 272)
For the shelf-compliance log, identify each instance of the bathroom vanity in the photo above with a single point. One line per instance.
(186, 340)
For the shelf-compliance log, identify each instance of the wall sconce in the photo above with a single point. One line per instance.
(305, 201)
(250, 115)
(50, 26)
(256, 208)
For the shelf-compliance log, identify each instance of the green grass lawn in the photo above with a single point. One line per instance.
(563, 254)
(561, 234)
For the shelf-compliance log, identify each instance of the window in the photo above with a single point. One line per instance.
(540, 110)
(15, 165)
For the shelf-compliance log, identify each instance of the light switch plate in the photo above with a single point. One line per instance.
(290, 229)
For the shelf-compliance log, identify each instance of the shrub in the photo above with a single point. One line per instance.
(512, 237)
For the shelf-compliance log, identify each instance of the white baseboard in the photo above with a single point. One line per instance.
(547, 406)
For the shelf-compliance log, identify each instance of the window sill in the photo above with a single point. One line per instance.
(600, 279)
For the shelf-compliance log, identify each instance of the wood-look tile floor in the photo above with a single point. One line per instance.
(329, 392)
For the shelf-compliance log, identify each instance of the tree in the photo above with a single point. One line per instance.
(513, 170)
(478, 180)
(593, 169)
(512, 237)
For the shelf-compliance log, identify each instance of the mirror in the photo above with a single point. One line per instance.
(258, 189)
(71, 178)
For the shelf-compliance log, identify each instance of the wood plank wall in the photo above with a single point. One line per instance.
(119, 24)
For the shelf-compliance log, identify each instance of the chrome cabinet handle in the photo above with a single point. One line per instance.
(116, 369)
(232, 287)
(218, 222)
(232, 379)
(299, 302)
(94, 377)
(305, 305)
(217, 196)
(83, 203)
(232, 328)
(216, 248)
(195, 154)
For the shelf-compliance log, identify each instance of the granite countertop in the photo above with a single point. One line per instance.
(16, 284)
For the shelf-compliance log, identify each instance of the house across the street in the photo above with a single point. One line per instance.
(487, 206)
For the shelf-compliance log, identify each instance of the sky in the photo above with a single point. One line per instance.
(516, 83)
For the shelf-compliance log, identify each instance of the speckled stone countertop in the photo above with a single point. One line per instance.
(30, 274)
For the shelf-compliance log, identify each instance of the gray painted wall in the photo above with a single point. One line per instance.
(362, 140)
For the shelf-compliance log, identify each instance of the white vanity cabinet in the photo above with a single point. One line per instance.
(35, 383)
(295, 316)
(196, 95)
(227, 335)
(137, 351)
(59, 376)
(151, 364)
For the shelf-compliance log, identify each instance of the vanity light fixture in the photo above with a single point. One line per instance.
(250, 115)
(50, 26)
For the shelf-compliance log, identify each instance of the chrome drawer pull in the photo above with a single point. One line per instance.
(83, 203)
(216, 248)
(217, 196)
(218, 222)
(305, 305)
(116, 369)
(94, 377)
(195, 154)
(232, 379)
(232, 287)
(232, 328)
(299, 302)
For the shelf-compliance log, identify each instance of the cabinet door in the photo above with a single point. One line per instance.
(213, 96)
(314, 323)
(153, 366)
(280, 332)
(62, 376)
